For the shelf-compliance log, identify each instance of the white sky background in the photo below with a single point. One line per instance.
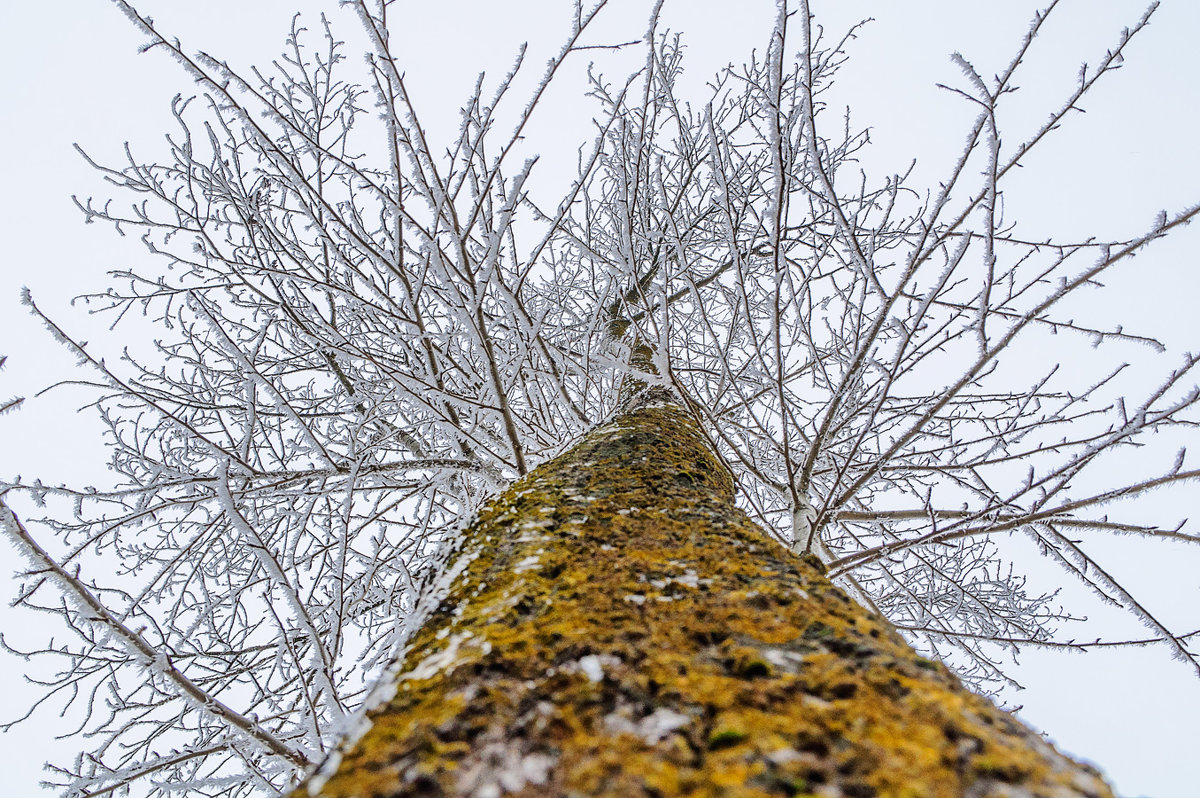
(69, 72)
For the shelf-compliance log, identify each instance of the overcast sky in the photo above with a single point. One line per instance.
(71, 74)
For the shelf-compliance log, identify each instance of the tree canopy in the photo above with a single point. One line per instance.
(363, 332)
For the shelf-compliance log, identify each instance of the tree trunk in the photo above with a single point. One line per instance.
(619, 628)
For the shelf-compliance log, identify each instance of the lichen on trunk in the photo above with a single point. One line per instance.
(622, 629)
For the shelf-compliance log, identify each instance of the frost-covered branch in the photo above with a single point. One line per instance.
(362, 331)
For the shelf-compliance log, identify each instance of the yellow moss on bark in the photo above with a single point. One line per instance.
(622, 629)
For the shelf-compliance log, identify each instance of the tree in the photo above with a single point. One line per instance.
(364, 338)
(615, 626)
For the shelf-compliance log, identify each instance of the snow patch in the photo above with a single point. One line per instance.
(527, 537)
(660, 723)
(500, 768)
(445, 660)
(654, 727)
(689, 579)
(529, 563)
(593, 665)
(786, 661)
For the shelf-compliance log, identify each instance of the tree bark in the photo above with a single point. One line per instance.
(618, 627)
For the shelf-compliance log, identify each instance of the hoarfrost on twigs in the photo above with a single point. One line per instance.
(367, 331)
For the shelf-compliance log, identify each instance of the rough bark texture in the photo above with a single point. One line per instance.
(622, 629)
